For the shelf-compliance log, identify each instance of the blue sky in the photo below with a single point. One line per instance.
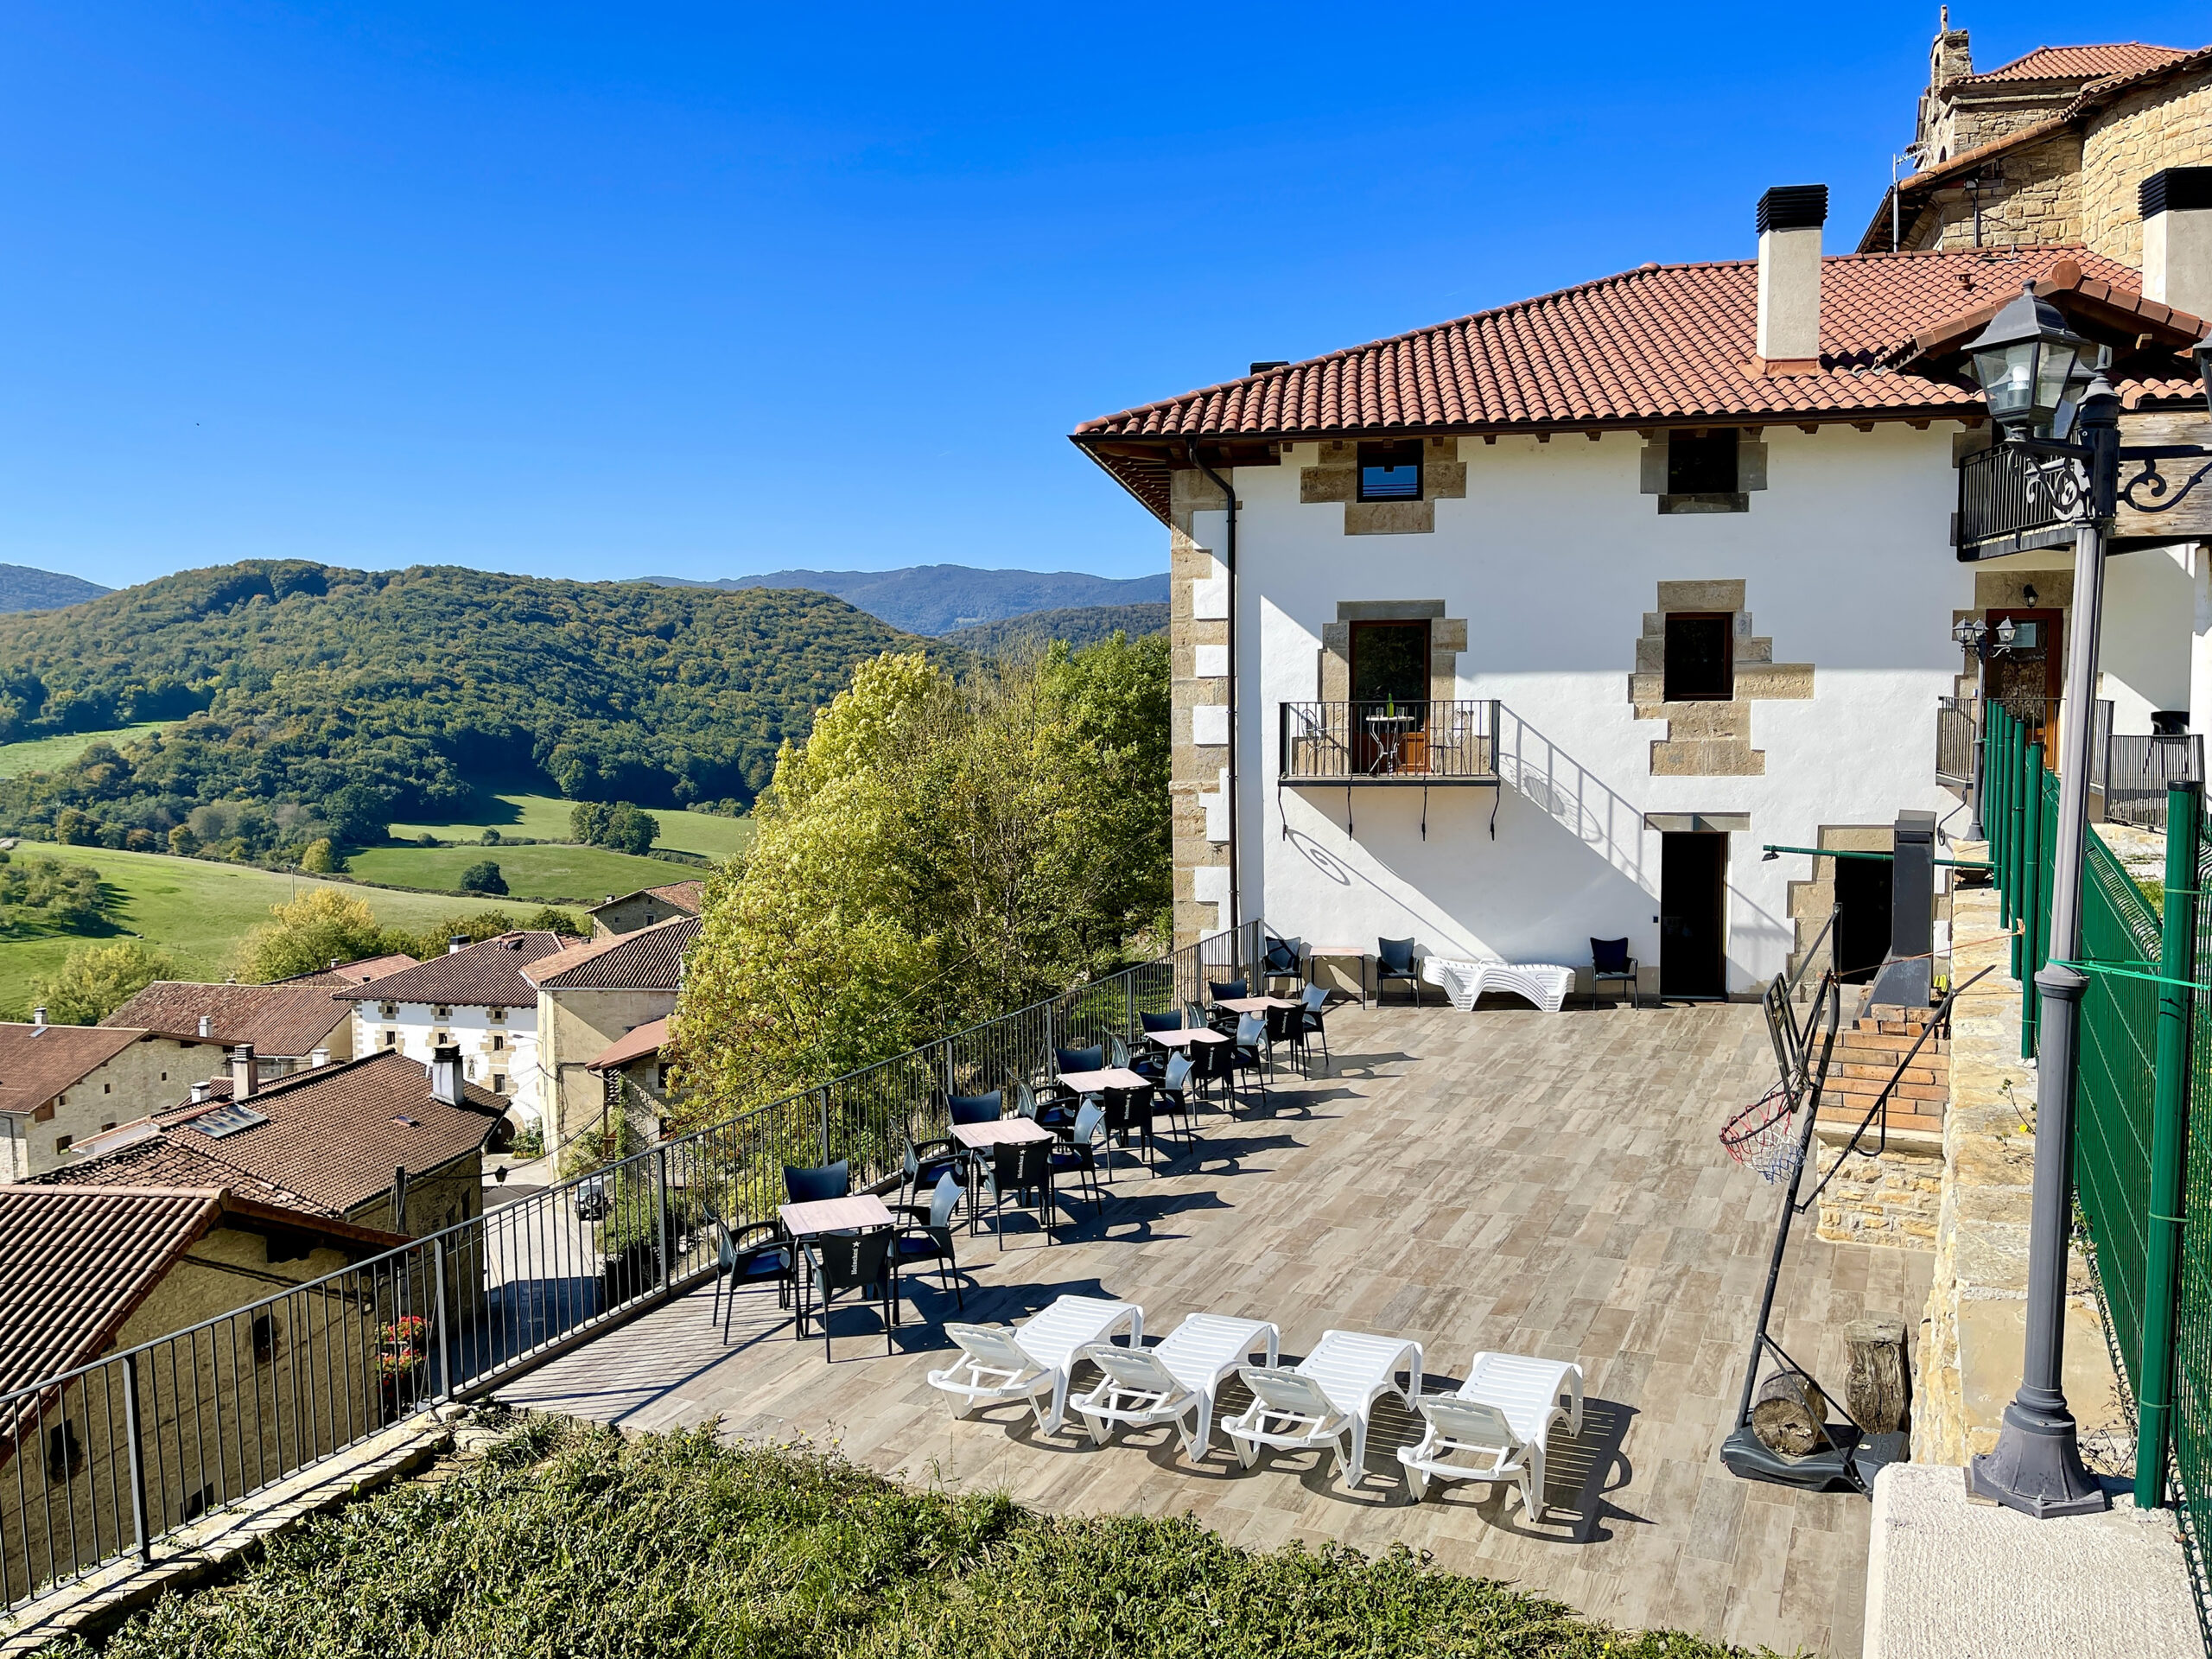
(619, 290)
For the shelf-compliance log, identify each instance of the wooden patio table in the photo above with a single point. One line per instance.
(982, 1137)
(1186, 1036)
(1114, 1077)
(857, 1212)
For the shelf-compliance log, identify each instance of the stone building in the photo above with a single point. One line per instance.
(476, 998)
(646, 907)
(592, 996)
(2047, 149)
(61, 1084)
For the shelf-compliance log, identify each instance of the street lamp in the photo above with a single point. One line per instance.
(1986, 642)
(2026, 361)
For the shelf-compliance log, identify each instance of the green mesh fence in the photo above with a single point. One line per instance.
(2192, 1386)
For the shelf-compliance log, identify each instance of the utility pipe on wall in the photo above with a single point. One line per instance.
(1229, 563)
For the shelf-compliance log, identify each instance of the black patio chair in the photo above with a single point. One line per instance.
(1609, 959)
(1309, 1022)
(1213, 1063)
(1128, 1112)
(855, 1261)
(1020, 1167)
(925, 1163)
(1225, 990)
(1172, 1096)
(1078, 1153)
(1283, 959)
(1394, 959)
(976, 1109)
(824, 1181)
(1080, 1059)
(1153, 1063)
(1248, 1053)
(927, 1237)
(757, 1251)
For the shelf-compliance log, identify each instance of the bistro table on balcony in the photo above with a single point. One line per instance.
(1186, 1035)
(1386, 735)
(980, 1138)
(857, 1212)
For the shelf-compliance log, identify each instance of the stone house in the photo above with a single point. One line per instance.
(594, 996)
(647, 908)
(476, 998)
(2046, 149)
(287, 1024)
(61, 1084)
(90, 1271)
(1539, 625)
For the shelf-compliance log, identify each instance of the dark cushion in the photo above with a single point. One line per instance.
(1610, 956)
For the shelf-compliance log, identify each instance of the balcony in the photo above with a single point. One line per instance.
(2005, 507)
(1389, 742)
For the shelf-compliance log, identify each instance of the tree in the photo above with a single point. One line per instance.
(97, 979)
(359, 814)
(182, 842)
(588, 821)
(483, 876)
(551, 919)
(630, 830)
(321, 926)
(320, 858)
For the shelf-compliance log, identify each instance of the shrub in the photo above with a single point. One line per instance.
(97, 979)
(320, 857)
(491, 835)
(483, 876)
(182, 842)
(624, 828)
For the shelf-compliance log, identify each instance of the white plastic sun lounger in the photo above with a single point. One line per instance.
(1032, 1358)
(1327, 1399)
(1179, 1379)
(1544, 983)
(1500, 1416)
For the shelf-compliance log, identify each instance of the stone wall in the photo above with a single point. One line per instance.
(1709, 740)
(1893, 1196)
(2164, 125)
(2029, 197)
(1198, 638)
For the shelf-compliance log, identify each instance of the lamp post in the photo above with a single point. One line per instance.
(2028, 362)
(2007, 639)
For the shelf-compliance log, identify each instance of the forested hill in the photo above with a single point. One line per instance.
(292, 681)
(23, 588)
(939, 598)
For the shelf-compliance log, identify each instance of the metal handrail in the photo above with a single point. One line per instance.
(109, 1457)
(1428, 741)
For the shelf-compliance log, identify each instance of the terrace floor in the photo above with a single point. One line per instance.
(1540, 1184)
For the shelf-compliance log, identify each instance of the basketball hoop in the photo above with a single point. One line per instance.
(1759, 1137)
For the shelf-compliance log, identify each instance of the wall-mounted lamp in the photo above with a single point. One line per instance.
(2028, 594)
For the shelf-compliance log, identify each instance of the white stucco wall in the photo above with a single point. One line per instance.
(1554, 557)
(473, 1029)
(2150, 613)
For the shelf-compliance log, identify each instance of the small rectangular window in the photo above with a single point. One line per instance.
(391, 1039)
(1390, 471)
(1701, 657)
(498, 1083)
(1702, 463)
(442, 1012)
(388, 1010)
(63, 1142)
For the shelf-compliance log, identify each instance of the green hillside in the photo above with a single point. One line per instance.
(1079, 626)
(198, 910)
(46, 753)
(351, 697)
(545, 817)
(550, 873)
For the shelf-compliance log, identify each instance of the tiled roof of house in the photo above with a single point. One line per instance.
(39, 1062)
(690, 897)
(289, 1019)
(76, 1260)
(1658, 345)
(2083, 62)
(155, 1157)
(334, 1135)
(647, 1039)
(485, 975)
(353, 973)
(650, 959)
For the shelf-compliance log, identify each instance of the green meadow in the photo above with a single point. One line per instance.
(45, 753)
(545, 817)
(552, 873)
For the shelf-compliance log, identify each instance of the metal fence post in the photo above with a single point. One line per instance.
(660, 1213)
(2034, 878)
(438, 1312)
(2169, 1117)
(822, 1096)
(133, 1434)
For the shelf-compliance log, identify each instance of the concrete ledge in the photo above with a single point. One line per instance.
(1951, 1578)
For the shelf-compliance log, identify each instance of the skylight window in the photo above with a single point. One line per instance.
(227, 1120)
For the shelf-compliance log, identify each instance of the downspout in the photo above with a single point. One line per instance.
(1229, 562)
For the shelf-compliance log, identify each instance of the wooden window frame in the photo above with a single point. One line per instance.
(1669, 688)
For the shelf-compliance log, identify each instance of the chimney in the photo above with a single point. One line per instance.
(1789, 220)
(458, 942)
(318, 1057)
(445, 1074)
(206, 1026)
(38, 1020)
(243, 1078)
(2177, 207)
(200, 1093)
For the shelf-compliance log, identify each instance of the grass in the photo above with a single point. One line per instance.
(568, 1540)
(578, 874)
(545, 817)
(195, 910)
(45, 753)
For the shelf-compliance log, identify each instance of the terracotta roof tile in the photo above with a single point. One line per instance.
(647, 1039)
(353, 973)
(159, 1159)
(485, 974)
(74, 1262)
(648, 959)
(2083, 62)
(690, 897)
(39, 1062)
(289, 1019)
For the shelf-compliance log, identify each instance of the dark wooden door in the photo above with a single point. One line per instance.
(1862, 923)
(2028, 686)
(1693, 914)
(1389, 689)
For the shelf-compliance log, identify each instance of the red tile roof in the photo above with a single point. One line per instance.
(690, 897)
(647, 1039)
(335, 1135)
(648, 959)
(2084, 62)
(1658, 345)
(485, 974)
(39, 1062)
(142, 1154)
(290, 1020)
(352, 973)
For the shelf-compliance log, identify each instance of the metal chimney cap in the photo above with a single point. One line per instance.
(1794, 207)
(2175, 190)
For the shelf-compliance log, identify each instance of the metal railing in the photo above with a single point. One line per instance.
(1435, 741)
(106, 1461)
(2003, 507)
(1955, 737)
(2139, 770)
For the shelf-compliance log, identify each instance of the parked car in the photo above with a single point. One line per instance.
(592, 1197)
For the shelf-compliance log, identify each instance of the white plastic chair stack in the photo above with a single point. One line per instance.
(1327, 1399)
(1496, 1422)
(1033, 1358)
(1179, 1379)
(1463, 980)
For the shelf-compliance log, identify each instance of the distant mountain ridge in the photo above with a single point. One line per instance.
(935, 599)
(1080, 625)
(23, 588)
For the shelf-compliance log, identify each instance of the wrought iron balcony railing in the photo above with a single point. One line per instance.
(1954, 735)
(1389, 742)
(2008, 504)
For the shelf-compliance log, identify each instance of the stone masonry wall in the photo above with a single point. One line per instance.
(2168, 125)
(1197, 626)
(2029, 197)
(1892, 1198)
